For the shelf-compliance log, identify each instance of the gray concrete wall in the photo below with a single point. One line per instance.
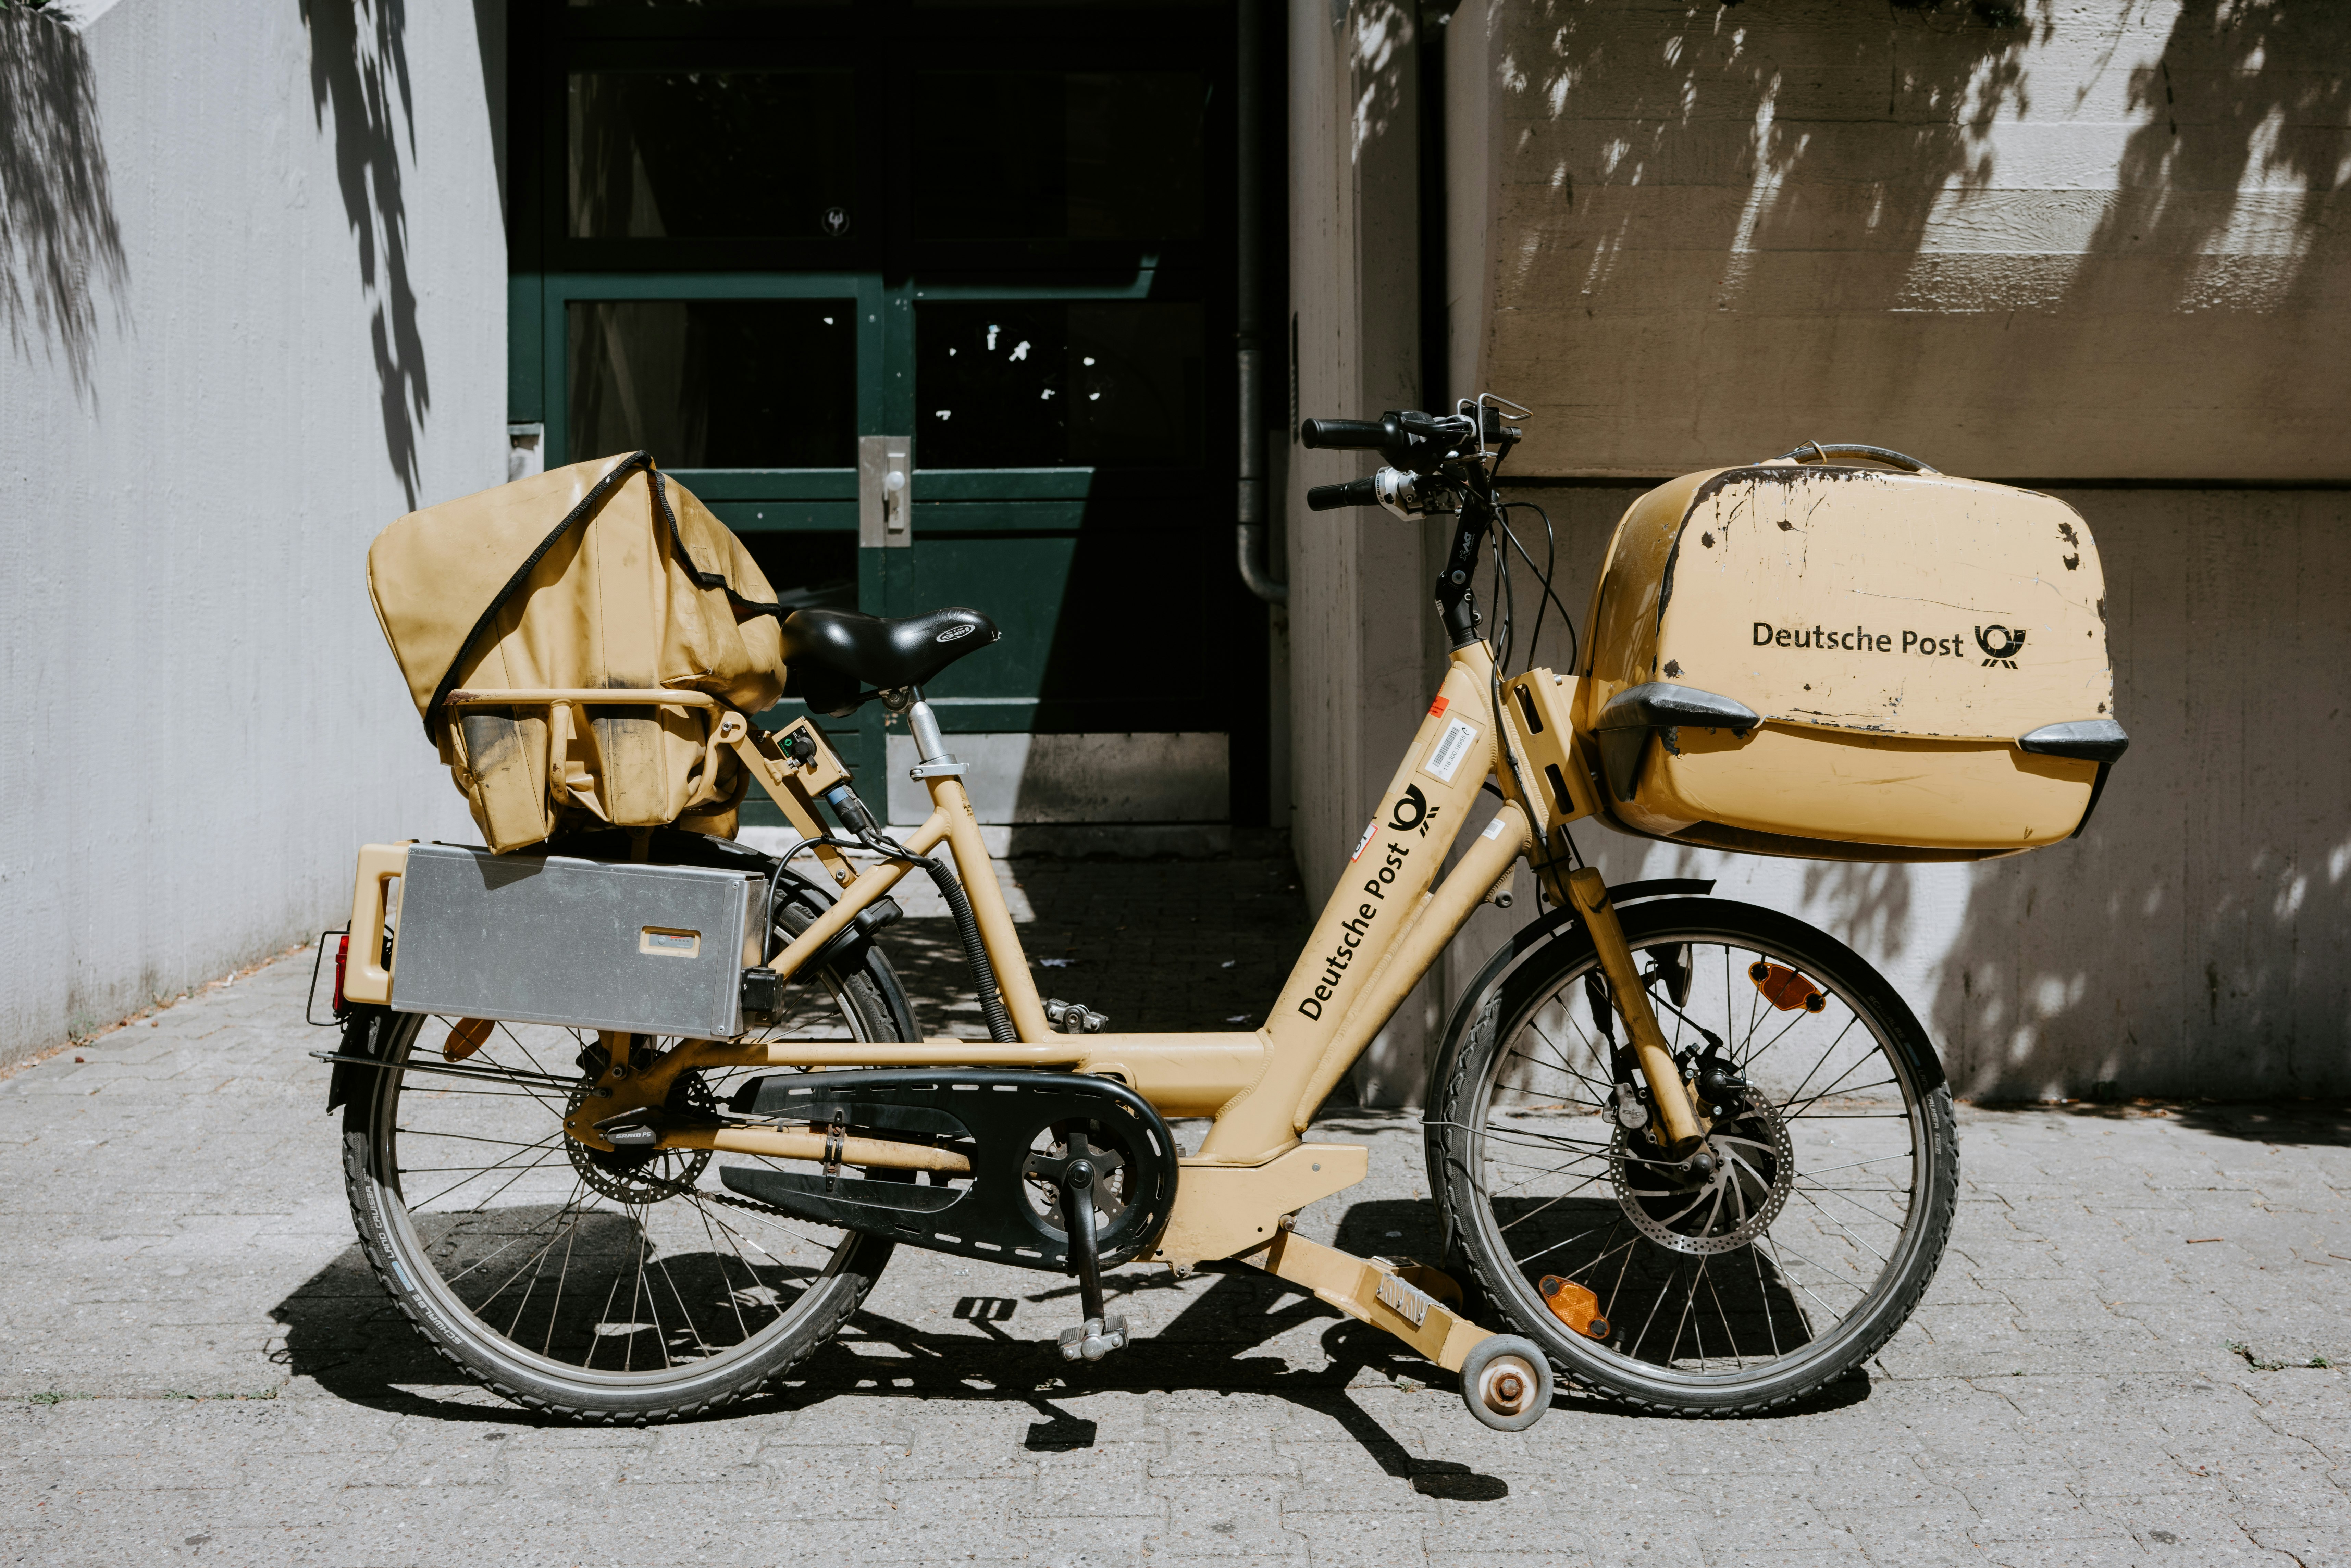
(1360, 639)
(2109, 241)
(2106, 245)
(252, 279)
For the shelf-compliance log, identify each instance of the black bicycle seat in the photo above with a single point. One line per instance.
(855, 650)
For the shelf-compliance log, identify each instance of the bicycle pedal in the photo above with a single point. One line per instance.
(1094, 1338)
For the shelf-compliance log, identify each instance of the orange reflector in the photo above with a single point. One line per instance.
(1573, 1305)
(1785, 988)
(467, 1036)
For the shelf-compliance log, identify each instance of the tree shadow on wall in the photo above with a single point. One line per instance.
(60, 247)
(2192, 941)
(1753, 167)
(359, 73)
(2137, 975)
(2241, 87)
(1849, 135)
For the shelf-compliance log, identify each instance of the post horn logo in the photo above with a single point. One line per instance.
(1998, 644)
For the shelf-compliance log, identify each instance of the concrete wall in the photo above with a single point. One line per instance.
(2109, 241)
(252, 276)
(2105, 246)
(1361, 636)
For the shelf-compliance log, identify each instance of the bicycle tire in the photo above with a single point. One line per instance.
(1463, 1110)
(871, 1002)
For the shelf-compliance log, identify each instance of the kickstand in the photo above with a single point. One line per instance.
(1100, 1333)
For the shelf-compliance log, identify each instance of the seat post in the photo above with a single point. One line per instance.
(929, 744)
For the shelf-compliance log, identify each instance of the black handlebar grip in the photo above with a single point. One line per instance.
(1365, 433)
(1353, 493)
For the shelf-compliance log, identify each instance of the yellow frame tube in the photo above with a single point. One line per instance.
(861, 893)
(778, 1143)
(1375, 1291)
(620, 696)
(977, 870)
(1675, 1116)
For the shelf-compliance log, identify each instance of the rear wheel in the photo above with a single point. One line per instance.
(1749, 1278)
(596, 1285)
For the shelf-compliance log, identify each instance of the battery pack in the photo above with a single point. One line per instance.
(640, 949)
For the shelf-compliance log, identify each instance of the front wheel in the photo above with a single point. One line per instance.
(1729, 1284)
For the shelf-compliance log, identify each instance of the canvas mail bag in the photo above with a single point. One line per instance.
(604, 574)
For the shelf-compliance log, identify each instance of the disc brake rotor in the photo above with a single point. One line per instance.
(644, 1176)
(1755, 1169)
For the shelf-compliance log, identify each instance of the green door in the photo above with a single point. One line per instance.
(787, 247)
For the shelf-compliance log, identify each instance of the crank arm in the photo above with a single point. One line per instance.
(1677, 1118)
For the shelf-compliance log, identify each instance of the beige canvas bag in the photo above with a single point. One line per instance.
(604, 574)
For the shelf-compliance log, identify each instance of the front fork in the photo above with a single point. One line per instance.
(1677, 1116)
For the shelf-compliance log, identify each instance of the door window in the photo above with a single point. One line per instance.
(715, 383)
(710, 154)
(1057, 155)
(1054, 384)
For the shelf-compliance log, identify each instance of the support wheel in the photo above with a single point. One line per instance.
(1506, 1381)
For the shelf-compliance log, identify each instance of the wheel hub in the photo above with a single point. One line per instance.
(632, 1176)
(1686, 1207)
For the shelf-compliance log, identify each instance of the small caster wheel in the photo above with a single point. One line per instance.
(1506, 1383)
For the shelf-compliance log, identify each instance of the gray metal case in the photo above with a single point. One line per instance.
(645, 949)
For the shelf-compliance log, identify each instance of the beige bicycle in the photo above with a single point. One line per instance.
(1690, 1153)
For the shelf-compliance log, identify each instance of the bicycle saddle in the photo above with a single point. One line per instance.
(831, 653)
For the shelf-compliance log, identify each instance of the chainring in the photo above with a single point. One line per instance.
(1755, 1170)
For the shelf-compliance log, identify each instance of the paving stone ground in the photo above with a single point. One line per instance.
(194, 1365)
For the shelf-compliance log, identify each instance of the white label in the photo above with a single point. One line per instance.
(1370, 828)
(1444, 757)
(1493, 829)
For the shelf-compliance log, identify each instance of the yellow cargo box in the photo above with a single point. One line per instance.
(1822, 659)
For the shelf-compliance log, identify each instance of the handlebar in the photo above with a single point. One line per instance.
(1353, 493)
(1368, 435)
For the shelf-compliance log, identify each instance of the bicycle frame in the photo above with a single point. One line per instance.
(1381, 930)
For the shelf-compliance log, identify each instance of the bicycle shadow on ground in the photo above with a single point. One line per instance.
(343, 1333)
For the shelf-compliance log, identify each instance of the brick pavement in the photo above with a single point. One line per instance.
(197, 1367)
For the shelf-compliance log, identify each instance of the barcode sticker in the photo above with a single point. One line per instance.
(1444, 757)
(1493, 829)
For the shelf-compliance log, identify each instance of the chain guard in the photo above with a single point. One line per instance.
(997, 1119)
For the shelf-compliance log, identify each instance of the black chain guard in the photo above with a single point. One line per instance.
(992, 1117)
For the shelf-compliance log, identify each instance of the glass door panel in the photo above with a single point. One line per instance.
(715, 383)
(710, 154)
(1054, 383)
(1073, 155)
(751, 236)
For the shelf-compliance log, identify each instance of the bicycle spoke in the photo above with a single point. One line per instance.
(1594, 1203)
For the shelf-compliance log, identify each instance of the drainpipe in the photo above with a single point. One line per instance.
(1436, 336)
(1247, 357)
